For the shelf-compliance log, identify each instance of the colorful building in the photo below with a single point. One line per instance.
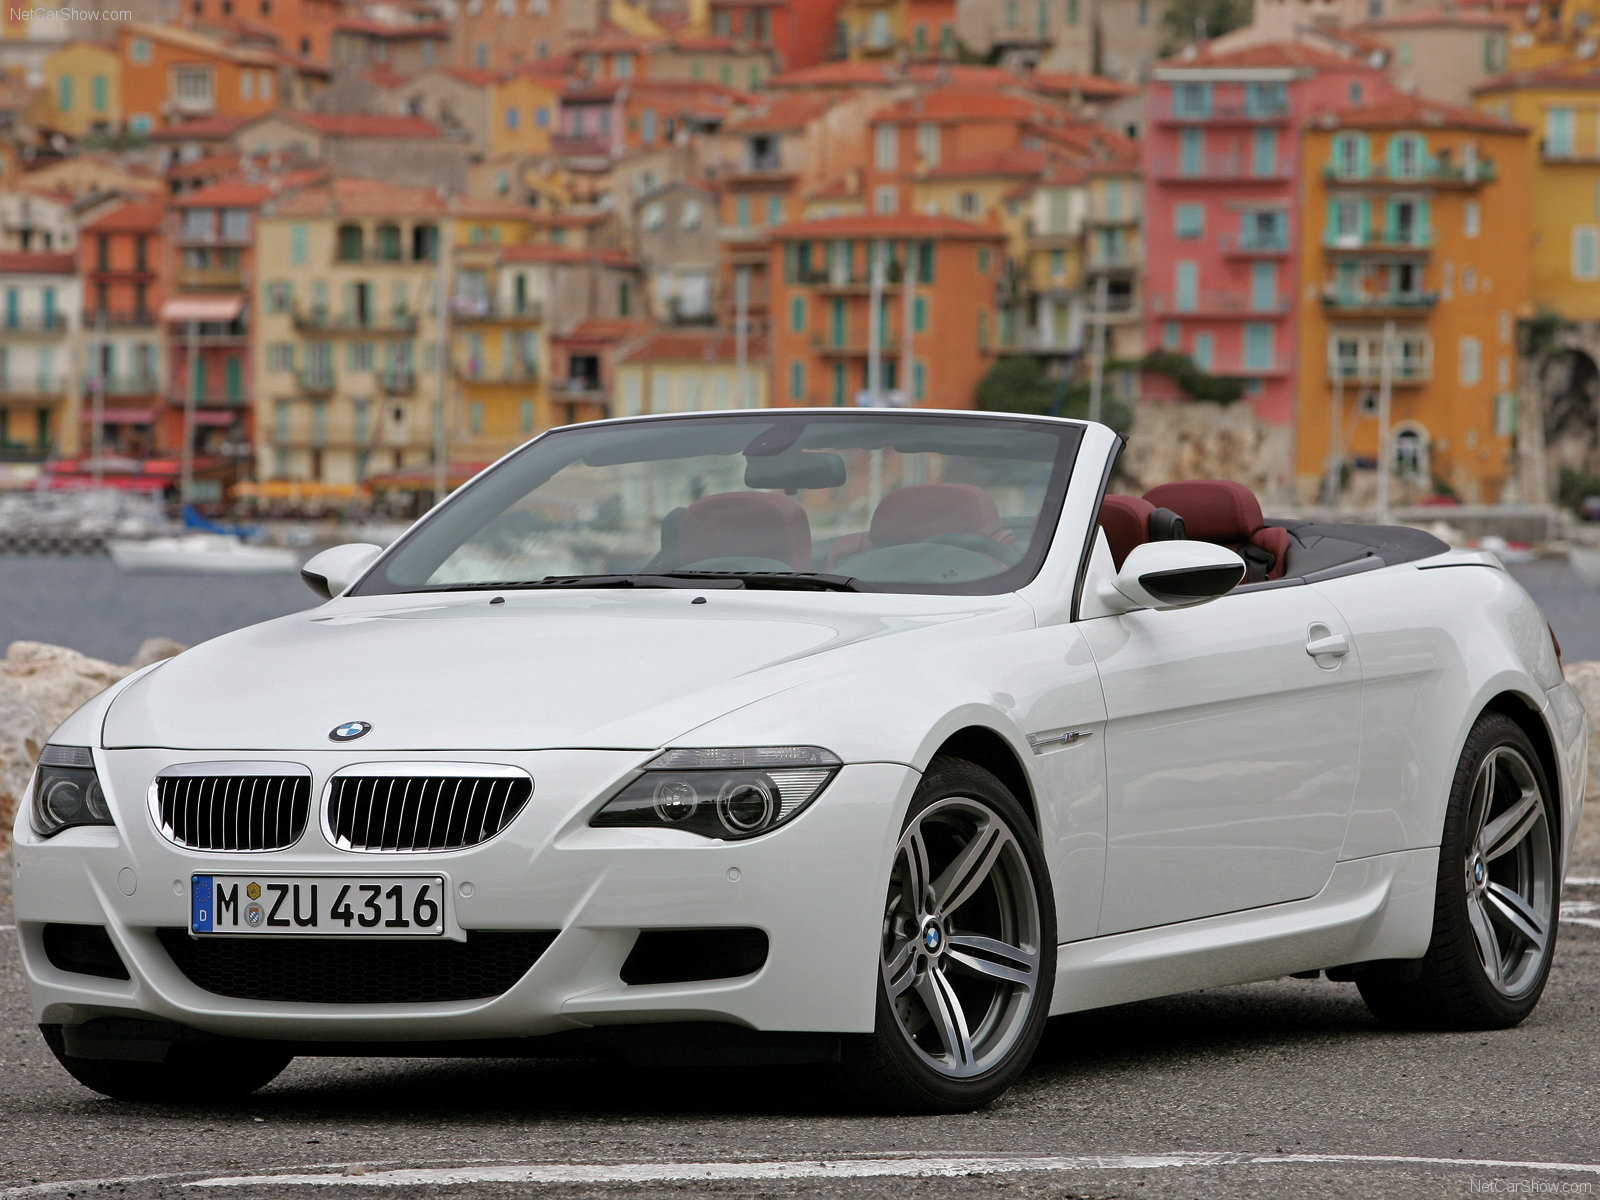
(822, 323)
(1223, 206)
(799, 33)
(1414, 250)
(170, 75)
(301, 28)
(1561, 104)
(878, 30)
(1114, 252)
(688, 370)
(122, 258)
(40, 304)
(346, 381)
(83, 82)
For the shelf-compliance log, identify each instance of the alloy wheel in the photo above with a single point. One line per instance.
(961, 938)
(1510, 871)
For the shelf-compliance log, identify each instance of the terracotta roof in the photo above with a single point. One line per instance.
(349, 197)
(1581, 73)
(199, 43)
(1009, 163)
(384, 76)
(543, 252)
(207, 166)
(869, 74)
(1415, 112)
(780, 113)
(246, 191)
(604, 329)
(438, 29)
(674, 345)
(960, 103)
(37, 262)
(128, 218)
(368, 125)
(205, 129)
(468, 206)
(1091, 87)
(886, 225)
(1269, 54)
(472, 75)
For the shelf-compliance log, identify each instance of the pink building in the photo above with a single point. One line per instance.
(1222, 209)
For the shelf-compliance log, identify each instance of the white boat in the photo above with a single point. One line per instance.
(1585, 563)
(201, 554)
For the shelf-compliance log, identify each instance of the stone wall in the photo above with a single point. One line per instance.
(1172, 440)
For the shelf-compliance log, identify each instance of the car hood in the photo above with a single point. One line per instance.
(618, 670)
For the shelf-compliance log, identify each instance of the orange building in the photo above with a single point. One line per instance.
(170, 75)
(1415, 249)
(821, 326)
(121, 260)
(303, 28)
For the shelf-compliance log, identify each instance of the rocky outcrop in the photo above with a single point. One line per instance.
(40, 687)
(1207, 441)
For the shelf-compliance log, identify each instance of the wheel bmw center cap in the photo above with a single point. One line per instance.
(350, 731)
(932, 939)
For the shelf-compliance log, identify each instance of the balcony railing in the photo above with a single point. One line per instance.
(231, 277)
(1244, 244)
(1123, 259)
(397, 382)
(33, 323)
(467, 309)
(1379, 303)
(318, 320)
(1418, 241)
(1232, 112)
(33, 387)
(178, 398)
(316, 383)
(1369, 369)
(1566, 153)
(212, 237)
(579, 387)
(92, 319)
(852, 347)
(1443, 174)
(123, 385)
(1219, 304)
(515, 372)
(1219, 168)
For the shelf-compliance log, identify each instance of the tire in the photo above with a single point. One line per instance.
(965, 976)
(1494, 920)
(224, 1070)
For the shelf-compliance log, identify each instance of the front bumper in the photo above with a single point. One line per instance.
(815, 886)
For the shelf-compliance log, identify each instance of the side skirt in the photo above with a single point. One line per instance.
(1372, 908)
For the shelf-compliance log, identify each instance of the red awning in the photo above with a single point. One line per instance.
(217, 420)
(217, 309)
(124, 416)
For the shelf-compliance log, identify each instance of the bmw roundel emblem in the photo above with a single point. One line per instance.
(350, 731)
(931, 939)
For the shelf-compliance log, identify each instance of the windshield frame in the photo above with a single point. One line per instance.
(374, 582)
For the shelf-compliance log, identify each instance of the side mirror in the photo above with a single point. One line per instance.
(1173, 575)
(329, 573)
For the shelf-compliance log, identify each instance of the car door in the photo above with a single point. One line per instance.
(1232, 739)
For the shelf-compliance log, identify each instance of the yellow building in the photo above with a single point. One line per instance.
(1414, 269)
(688, 370)
(500, 349)
(83, 84)
(346, 330)
(1561, 104)
(1114, 252)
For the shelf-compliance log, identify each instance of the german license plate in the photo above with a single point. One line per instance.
(383, 905)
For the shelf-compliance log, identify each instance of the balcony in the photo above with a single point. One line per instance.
(516, 372)
(120, 320)
(1218, 168)
(1255, 245)
(213, 237)
(1114, 261)
(316, 383)
(1567, 154)
(179, 399)
(579, 388)
(1032, 341)
(467, 310)
(1231, 305)
(1405, 242)
(34, 325)
(124, 385)
(568, 146)
(318, 320)
(1112, 220)
(1369, 370)
(33, 388)
(1378, 304)
(211, 278)
(1239, 368)
(1234, 112)
(1434, 174)
(853, 347)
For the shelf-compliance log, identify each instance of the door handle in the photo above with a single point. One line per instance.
(1335, 645)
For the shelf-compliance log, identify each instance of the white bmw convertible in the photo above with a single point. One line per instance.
(858, 737)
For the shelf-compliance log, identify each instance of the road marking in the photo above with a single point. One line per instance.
(1584, 882)
(859, 1168)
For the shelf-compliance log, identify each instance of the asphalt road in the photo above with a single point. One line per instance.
(1283, 1088)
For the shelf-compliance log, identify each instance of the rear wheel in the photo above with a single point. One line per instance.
(224, 1070)
(1494, 925)
(967, 958)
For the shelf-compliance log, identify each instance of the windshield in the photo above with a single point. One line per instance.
(850, 501)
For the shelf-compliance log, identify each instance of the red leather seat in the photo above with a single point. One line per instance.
(1126, 521)
(1228, 514)
(745, 525)
(920, 511)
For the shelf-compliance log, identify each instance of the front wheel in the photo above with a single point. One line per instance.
(968, 951)
(1494, 925)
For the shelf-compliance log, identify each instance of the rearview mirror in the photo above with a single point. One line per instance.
(1173, 575)
(329, 573)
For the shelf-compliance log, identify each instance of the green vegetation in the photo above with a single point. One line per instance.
(1190, 379)
(1575, 485)
(1180, 20)
(1021, 384)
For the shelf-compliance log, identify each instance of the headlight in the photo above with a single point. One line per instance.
(66, 791)
(736, 792)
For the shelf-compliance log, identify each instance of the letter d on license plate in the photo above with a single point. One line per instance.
(302, 905)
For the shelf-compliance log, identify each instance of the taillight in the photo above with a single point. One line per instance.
(1554, 641)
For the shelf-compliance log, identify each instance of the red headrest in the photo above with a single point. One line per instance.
(1126, 520)
(745, 524)
(924, 510)
(1213, 510)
